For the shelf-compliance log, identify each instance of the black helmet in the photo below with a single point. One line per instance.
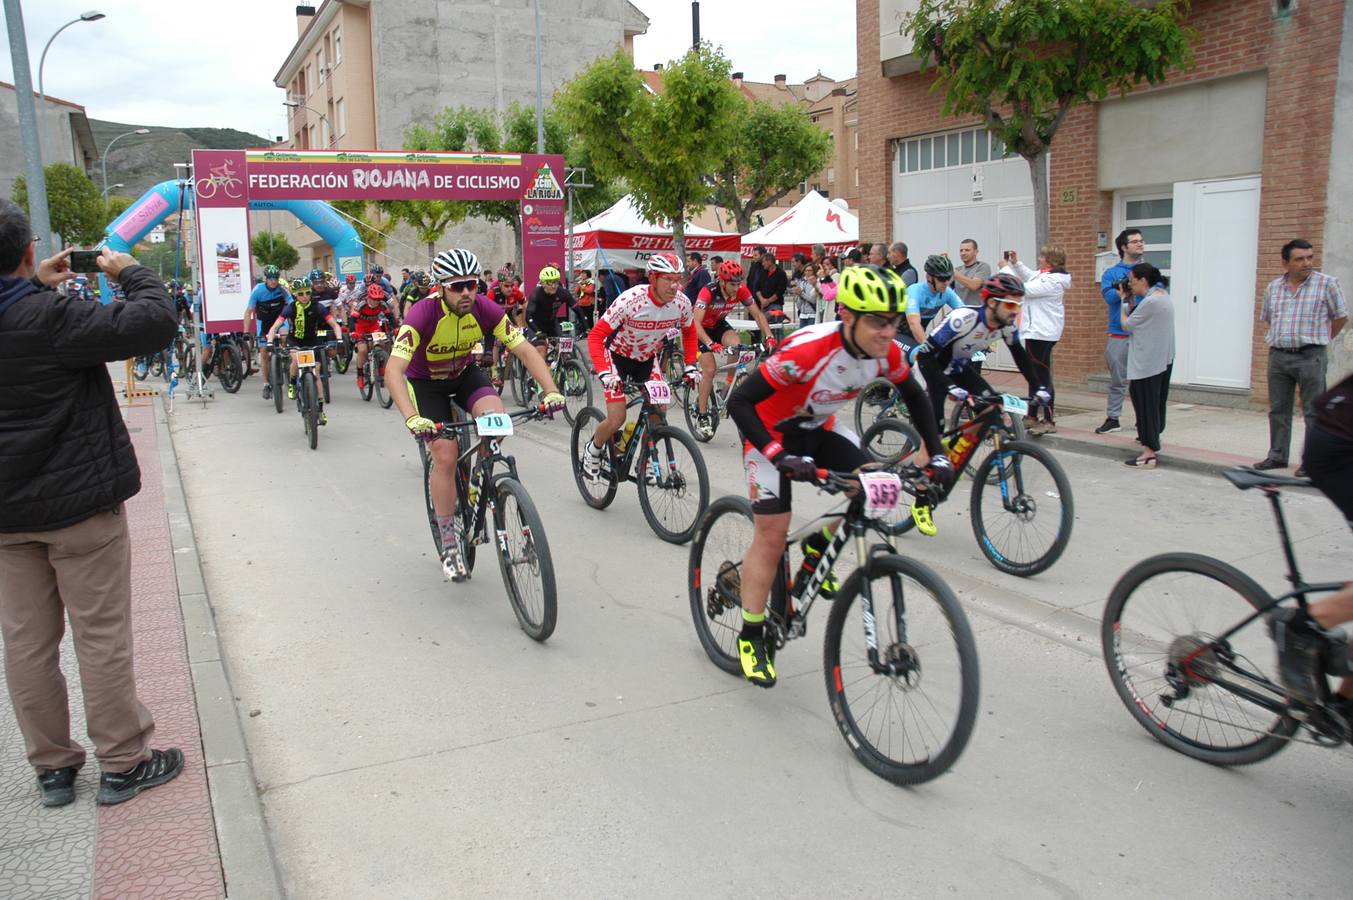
(1003, 286)
(378, 270)
(937, 266)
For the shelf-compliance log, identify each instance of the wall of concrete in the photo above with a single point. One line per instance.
(1335, 254)
(58, 142)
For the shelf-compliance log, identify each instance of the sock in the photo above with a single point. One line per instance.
(447, 526)
(753, 624)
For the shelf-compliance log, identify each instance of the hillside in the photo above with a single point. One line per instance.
(142, 160)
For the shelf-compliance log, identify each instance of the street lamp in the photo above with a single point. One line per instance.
(296, 104)
(112, 187)
(92, 16)
(104, 160)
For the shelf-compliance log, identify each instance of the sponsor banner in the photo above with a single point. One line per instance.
(309, 175)
(787, 251)
(542, 217)
(218, 179)
(616, 240)
(227, 278)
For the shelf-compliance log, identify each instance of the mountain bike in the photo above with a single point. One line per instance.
(150, 364)
(279, 371)
(523, 551)
(716, 409)
(1188, 649)
(227, 362)
(898, 653)
(373, 369)
(1021, 506)
(568, 372)
(663, 461)
(309, 360)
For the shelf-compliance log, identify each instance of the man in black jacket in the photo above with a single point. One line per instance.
(66, 467)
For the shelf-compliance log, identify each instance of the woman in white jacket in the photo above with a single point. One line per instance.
(1042, 317)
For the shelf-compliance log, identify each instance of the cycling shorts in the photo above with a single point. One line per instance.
(833, 446)
(1328, 459)
(363, 327)
(432, 397)
(631, 369)
(313, 342)
(719, 329)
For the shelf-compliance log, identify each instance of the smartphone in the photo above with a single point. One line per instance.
(85, 261)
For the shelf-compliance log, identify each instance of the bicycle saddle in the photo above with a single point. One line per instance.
(1246, 478)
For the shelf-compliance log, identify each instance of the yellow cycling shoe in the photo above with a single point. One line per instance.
(925, 522)
(756, 665)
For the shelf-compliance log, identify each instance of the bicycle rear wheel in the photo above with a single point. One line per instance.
(310, 408)
(714, 577)
(596, 494)
(1159, 633)
(524, 557)
(890, 441)
(1021, 508)
(378, 360)
(228, 368)
(878, 400)
(690, 405)
(908, 724)
(576, 387)
(277, 376)
(673, 484)
(343, 359)
(368, 378)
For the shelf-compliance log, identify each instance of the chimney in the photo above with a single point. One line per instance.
(737, 79)
(780, 80)
(657, 67)
(304, 14)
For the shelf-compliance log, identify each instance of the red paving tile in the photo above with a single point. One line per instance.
(163, 843)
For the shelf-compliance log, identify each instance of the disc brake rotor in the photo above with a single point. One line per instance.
(1194, 659)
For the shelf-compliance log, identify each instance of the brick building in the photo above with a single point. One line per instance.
(1218, 168)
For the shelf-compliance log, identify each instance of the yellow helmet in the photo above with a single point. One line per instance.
(549, 273)
(871, 289)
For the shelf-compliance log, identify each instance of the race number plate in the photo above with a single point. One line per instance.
(746, 356)
(1014, 405)
(305, 358)
(494, 425)
(882, 492)
(378, 336)
(660, 392)
(566, 345)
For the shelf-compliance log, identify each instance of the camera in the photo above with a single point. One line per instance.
(1125, 285)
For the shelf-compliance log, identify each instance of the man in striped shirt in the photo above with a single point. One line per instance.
(1304, 310)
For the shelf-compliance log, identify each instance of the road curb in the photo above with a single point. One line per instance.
(1122, 449)
(248, 864)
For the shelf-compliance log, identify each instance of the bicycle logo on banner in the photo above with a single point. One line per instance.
(222, 177)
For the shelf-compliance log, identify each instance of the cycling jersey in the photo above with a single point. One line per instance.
(634, 327)
(438, 344)
(716, 306)
(922, 301)
(268, 305)
(368, 319)
(965, 333)
(543, 311)
(306, 321)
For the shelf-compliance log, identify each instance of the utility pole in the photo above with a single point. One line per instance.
(695, 24)
(540, 92)
(38, 215)
(573, 179)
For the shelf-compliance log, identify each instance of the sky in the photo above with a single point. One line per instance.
(197, 63)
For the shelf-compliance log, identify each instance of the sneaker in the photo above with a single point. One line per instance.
(592, 462)
(1109, 427)
(453, 555)
(1265, 464)
(57, 786)
(1299, 645)
(291, 390)
(119, 787)
(756, 664)
(267, 391)
(361, 382)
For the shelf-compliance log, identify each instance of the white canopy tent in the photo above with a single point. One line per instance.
(813, 220)
(620, 238)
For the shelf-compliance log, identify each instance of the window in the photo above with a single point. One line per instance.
(311, 132)
(831, 174)
(857, 177)
(856, 137)
(338, 46)
(341, 117)
(309, 78)
(1154, 218)
(319, 64)
(946, 151)
(803, 188)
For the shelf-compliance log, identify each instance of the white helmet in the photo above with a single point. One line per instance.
(455, 263)
(665, 263)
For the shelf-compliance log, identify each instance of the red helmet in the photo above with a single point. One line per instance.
(1003, 286)
(351, 279)
(664, 264)
(375, 292)
(730, 270)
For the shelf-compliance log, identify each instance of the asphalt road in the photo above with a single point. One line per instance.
(410, 741)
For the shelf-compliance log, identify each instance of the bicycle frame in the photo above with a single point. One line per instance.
(489, 450)
(649, 416)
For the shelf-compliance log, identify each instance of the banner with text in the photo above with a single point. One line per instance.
(224, 264)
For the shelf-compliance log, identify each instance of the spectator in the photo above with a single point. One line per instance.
(969, 274)
(1304, 309)
(1150, 320)
(1043, 318)
(587, 300)
(878, 255)
(699, 276)
(755, 271)
(819, 254)
(1113, 286)
(852, 258)
(807, 296)
(771, 288)
(65, 550)
(715, 262)
(405, 277)
(898, 262)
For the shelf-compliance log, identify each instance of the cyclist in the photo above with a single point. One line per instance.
(712, 306)
(305, 319)
(431, 365)
(419, 286)
(370, 315)
(786, 414)
(265, 304)
(547, 301)
(349, 293)
(626, 342)
(926, 298)
(379, 272)
(946, 355)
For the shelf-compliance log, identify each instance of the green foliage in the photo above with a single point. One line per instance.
(75, 206)
(662, 145)
(1023, 66)
(773, 149)
(429, 218)
(115, 205)
(369, 219)
(271, 248)
(160, 257)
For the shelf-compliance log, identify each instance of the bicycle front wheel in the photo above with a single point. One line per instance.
(576, 387)
(310, 408)
(368, 373)
(1021, 508)
(909, 718)
(378, 360)
(597, 494)
(343, 359)
(1160, 635)
(229, 368)
(714, 577)
(673, 484)
(278, 377)
(524, 557)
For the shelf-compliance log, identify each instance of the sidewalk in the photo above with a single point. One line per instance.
(1200, 438)
(203, 831)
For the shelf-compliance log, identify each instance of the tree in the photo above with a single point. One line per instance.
(773, 150)
(1023, 66)
(662, 145)
(115, 205)
(76, 208)
(428, 218)
(271, 248)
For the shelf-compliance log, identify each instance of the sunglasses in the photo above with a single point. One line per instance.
(300, 294)
(881, 322)
(460, 286)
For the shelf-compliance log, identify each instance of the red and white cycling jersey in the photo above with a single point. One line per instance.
(716, 306)
(814, 376)
(635, 327)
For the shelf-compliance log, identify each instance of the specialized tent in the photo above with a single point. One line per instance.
(619, 238)
(813, 220)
